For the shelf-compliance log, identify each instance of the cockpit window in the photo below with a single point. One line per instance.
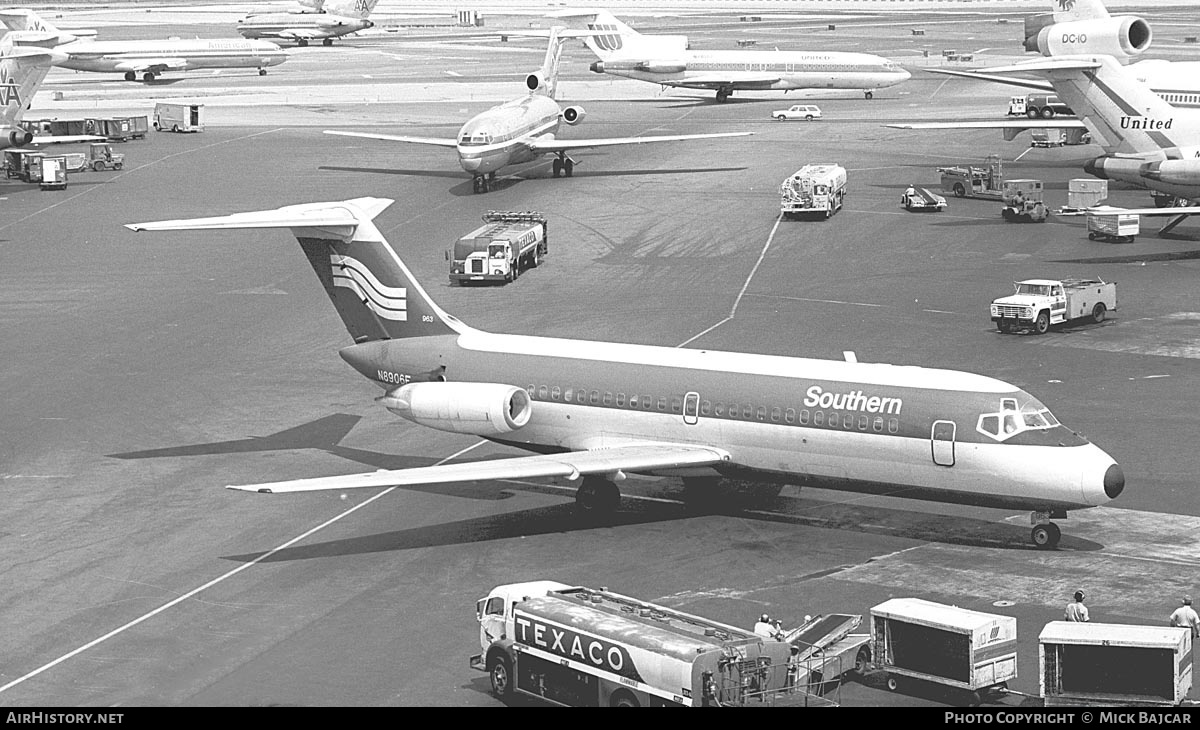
(1010, 421)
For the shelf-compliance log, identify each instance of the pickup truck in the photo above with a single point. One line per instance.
(1038, 303)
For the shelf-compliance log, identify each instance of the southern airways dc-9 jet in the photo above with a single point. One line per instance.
(524, 129)
(594, 412)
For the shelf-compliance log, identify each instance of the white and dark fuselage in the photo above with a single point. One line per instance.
(903, 431)
(182, 54)
(497, 137)
(300, 26)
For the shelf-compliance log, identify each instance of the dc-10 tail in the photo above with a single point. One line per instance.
(374, 292)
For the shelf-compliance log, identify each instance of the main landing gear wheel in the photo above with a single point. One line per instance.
(327, 42)
(1046, 537)
(597, 496)
(130, 76)
(148, 76)
(302, 42)
(869, 94)
(723, 95)
(262, 72)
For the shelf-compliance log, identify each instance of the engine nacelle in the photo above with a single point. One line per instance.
(18, 137)
(482, 409)
(1173, 172)
(573, 114)
(535, 81)
(1124, 37)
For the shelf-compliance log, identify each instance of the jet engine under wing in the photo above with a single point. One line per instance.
(436, 141)
(152, 64)
(548, 143)
(644, 457)
(741, 81)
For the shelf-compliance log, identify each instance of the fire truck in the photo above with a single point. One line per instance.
(813, 189)
(499, 250)
(584, 647)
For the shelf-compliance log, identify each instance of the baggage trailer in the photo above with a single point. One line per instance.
(1114, 664)
(1112, 225)
(957, 647)
(1086, 193)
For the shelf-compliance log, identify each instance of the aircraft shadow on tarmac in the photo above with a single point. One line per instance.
(519, 176)
(326, 434)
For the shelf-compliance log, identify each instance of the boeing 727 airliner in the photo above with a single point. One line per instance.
(525, 129)
(597, 411)
(333, 20)
(665, 60)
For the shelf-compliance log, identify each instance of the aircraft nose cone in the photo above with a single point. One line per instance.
(905, 75)
(1114, 481)
(471, 164)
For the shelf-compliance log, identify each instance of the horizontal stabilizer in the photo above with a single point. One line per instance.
(645, 457)
(338, 218)
(996, 79)
(1060, 63)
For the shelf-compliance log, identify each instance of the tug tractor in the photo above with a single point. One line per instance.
(1023, 201)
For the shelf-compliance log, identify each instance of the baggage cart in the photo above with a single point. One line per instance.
(1114, 664)
(1086, 193)
(1112, 225)
(968, 650)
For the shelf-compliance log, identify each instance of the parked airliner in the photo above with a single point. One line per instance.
(334, 20)
(665, 60)
(524, 129)
(597, 411)
(149, 58)
(21, 73)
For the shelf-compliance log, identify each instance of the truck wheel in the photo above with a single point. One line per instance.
(959, 190)
(621, 698)
(1032, 112)
(1098, 312)
(808, 118)
(97, 165)
(1047, 112)
(1043, 323)
(1092, 236)
(501, 676)
(862, 661)
(893, 684)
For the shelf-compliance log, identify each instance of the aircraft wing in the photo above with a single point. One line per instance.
(1010, 80)
(740, 81)
(548, 143)
(297, 34)
(1015, 123)
(151, 64)
(1112, 210)
(436, 141)
(630, 458)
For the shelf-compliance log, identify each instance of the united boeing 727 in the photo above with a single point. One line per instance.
(525, 129)
(594, 412)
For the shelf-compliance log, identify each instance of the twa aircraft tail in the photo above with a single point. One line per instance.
(374, 292)
(613, 39)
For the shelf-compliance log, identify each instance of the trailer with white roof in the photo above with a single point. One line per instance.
(1114, 664)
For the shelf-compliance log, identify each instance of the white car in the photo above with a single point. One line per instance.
(807, 112)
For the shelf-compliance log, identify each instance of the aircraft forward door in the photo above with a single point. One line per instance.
(691, 408)
(942, 442)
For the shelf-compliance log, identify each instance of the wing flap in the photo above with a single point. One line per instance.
(740, 81)
(151, 64)
(631, 458)
(550, 144)
(435, 141)
(1056, 123)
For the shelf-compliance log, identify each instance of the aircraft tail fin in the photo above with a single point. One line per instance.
(28, 22)
(376, 295)
(21, 73)
(610, 38)
(350, 8)
(545, 81)
(1125, 116)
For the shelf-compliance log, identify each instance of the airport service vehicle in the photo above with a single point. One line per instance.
(583, 647)
(807, 112)
(499, 250)
(827, 648)
(818, 189)
(915, 198)
(114, 129)
(1058, 136)
(1045, 106)
(50, 171)
(1039, 303)
(598, 413)
(1023, 201)
(178, 117)
(971, 181)
(957, 647)
(1114, 225)
(100, 156)
(1114, 664)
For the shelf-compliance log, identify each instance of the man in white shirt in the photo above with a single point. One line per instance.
(1185, 616)
(1076, 611)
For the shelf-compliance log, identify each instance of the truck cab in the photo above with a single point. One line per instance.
(495, 611)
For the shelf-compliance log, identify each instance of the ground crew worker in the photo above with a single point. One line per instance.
(764, 627)
(1185, 617)
(1075, 610)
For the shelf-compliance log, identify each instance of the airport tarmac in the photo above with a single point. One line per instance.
(141, 373)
